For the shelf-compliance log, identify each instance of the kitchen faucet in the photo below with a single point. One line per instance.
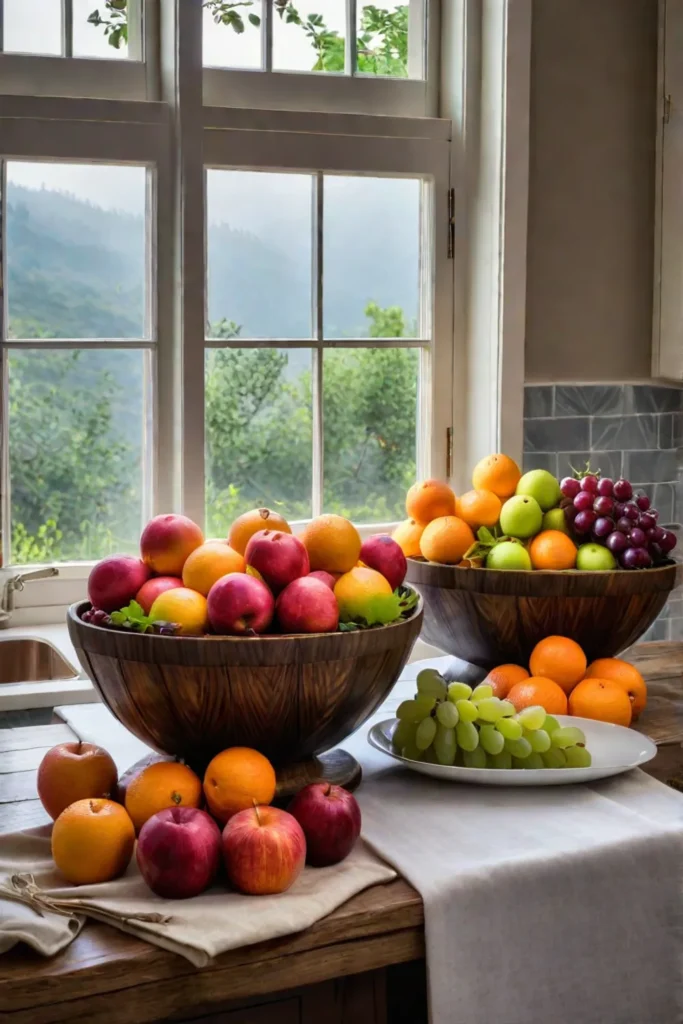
(16, 582)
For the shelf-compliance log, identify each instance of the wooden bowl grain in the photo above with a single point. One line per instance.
(291, 697)
(489, 617)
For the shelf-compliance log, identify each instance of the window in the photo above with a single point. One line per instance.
(107, 29)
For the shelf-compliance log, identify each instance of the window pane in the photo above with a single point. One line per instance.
(105, 35)
(75, 440)
(382, 40)
(234, 40)
(258, 434)
(383, 271)
(259, 254)
(76, 250)
(370, 416)
(305, 39)
(32, 27)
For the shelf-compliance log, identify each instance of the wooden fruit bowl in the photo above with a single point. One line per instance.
(291, 697)
(489, 617)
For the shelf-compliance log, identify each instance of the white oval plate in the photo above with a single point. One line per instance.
(614, 750)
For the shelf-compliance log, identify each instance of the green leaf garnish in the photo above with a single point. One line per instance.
(134, 617)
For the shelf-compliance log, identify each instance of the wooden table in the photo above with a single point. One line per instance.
(343, 970)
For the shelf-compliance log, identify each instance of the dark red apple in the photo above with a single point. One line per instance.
(264, 850)
(178, 852)
(114, 582)
(149, 591)
(330, 819)
(239, 603)
(307, 605)
(278, 557)
(326, 577)
(381, 553)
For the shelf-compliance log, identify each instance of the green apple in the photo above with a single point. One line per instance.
(555, 520)
(595, 558)
(521, 517)
(508, 555)
(541, 485)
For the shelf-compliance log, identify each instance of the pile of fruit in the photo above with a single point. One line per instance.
(180, 846)
(452, 724)
(528, 521)
(261, 579)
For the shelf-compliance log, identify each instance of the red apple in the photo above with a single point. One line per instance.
(74, 771)
(149, 591)
(166, 542)
(178, 852)
(381, 553)
(264, 850)
(114, 582)
(326, 577)
(307, 605)
(278, 557)
(238, 604)
(330, 819)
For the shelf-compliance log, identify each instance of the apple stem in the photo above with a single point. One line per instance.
(176, 798)
(78, 748)
(329, 789)
(258, 816)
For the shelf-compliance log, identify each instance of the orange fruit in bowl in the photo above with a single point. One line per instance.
(497, 473)
(601, 699)
(430, 499)
(208, 563)
(625, 675)
(446, 540)
(249, 523)
(356, 588)
(407, 535)
(237, 778)
(161, 785)
(478, 508)
(558, 658)
(551, 549)
(539, 690)
(184, 606)
(92, 841)
(333, 543)
(502, 678)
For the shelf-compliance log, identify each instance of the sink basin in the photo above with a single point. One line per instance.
(32, 660)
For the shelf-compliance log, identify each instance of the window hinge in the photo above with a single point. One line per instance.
(667, 108)
(451, 223)
(449, 452)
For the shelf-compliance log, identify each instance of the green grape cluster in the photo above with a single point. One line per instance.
(453, 724)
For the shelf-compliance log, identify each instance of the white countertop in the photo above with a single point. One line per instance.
(47, 694)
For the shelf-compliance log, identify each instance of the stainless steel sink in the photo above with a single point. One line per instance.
(32, 660)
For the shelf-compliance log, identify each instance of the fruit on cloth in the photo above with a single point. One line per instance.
(508, 555)
(178, 852)
(278, 557)
(558, 658)
(326, 577)
(595, 558)
(541, 485)
(239, 603)
(446, 540)
(625, 675)
(161, 785)
(521, 517)
(539, 690)
(552, 549)
(208, 563)
(356, 590)
(74, 771)
(330, 818)
(478, 508)
(382, 553)
(264, 850)
(555, 519)
(249, 523)
(502, 678)
(407, 535)
(150, 591)
(115, 581)
(333, 543)
(92, 841)
(429, 499)
(132, 773)
(237, 778)
(602, 699)
(183, 606)
(498, 473)
(166, 542)
(307, 605)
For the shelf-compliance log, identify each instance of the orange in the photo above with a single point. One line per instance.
(92, 841)
(356, 589)
(407, 535)
(161, 785)
(446, 540)
(497, 473)
(332, 542)
(550, 549)
(558, 658)
(539, 690)
(249, 523)
(626, 675)
(430, 499)
(504, 677)
(478, 508)
(238, 778)
(208, 563)
(602, 699)
(184, 606)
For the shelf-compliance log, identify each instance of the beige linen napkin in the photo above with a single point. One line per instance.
(39, 908)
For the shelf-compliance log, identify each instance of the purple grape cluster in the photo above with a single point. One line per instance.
(96, 617)
(607, 512)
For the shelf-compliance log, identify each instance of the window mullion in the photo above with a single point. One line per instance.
(5, 514)
(351, 51)
(67, 28)
(267, 36)
(318, 366)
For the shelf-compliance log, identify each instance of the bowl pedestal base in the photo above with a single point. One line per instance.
(337, 767)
